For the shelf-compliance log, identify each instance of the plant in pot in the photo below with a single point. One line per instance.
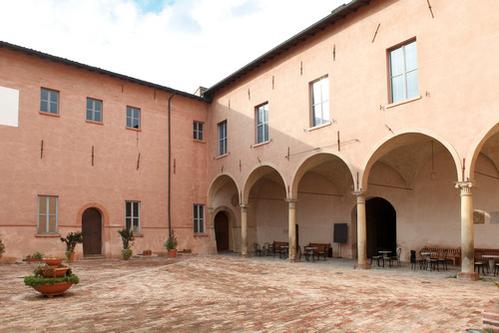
(35, 257)
(47, 280)
(171, 245)
(71, 240)
(127, 239)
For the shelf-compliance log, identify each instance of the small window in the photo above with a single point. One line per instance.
(198, 219)
(132, 216)
(222, 137)
(49, 101)
(262, 123)
(319, 93)
(404, 72)
(47, 214)
(94, 110)
(132, 117)
(197, 128)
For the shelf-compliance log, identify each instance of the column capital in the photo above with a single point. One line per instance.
(291, 203)
(464, 187)
(210, 209)
(243, 206)
(360, 195)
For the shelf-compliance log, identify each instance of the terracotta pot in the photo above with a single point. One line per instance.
(491, 317)
(53, 289)
(53, 261)
(172, 253)
(55, 272)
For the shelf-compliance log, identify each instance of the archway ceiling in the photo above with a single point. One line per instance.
(334, 171)
(491, 150)
(273, 177)
(409, 155)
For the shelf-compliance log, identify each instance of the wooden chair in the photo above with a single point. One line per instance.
(257, 249)
(396, 258)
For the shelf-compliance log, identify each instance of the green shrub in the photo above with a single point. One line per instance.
(126, 237)
(171, 242)
(71, 240)
(37, 255)
(33, 280)
(126, 253)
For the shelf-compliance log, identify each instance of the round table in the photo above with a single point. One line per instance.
(492, 260)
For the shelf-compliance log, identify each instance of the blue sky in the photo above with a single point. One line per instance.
(177, 43)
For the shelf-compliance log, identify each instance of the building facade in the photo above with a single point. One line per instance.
(381, 118)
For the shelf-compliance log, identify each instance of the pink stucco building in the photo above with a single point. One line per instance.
(381, 118)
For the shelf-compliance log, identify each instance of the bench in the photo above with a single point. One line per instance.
(321, 250)
(452, 254)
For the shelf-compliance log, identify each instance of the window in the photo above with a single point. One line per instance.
(262, 123)
(49, 101)
(132, 117)
(47, 214)
(404, 72)
(94, 110)
(222, 137)
(132, 215)
(198, 218)
(319, 91)
(197, 128)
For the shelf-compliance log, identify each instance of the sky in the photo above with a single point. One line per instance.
(182, 44)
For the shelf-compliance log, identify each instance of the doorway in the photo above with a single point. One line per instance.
(92, 231)
(381, 220)
(222, 231)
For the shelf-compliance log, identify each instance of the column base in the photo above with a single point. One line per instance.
(362, 266)
(468, 276)
(245, 255)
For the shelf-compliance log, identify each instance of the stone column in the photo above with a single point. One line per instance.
(467, 232)
(292, 229)
(210, 226)
(361, 231)
(244, 230)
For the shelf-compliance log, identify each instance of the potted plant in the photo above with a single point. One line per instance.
(171, 245)
(35, 257)
(71, 240)
(127, 239)
(51, 285)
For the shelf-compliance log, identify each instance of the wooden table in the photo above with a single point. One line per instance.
(310, 251)
(492, 260)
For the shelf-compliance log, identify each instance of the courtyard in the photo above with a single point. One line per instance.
(228, 293)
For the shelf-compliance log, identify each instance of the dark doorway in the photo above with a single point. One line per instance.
(91, 226)
(381, 226)
(222, 231)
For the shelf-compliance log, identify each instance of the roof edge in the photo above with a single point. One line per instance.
(98, 70)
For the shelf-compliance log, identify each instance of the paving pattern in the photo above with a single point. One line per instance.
(228, 293)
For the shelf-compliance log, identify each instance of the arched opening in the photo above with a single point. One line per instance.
(323, 186)
(416, 173)
(223, 197)
(265, 194)
(381, 226)
(222, 231)
(91, 225)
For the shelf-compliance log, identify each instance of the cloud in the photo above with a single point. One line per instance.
(182, 44)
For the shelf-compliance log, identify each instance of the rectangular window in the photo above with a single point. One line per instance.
(94, 110)
(132, 215)
(49, 101)
(47, 214)
(319, 93)
(262, 123)
(404, 72)
(198, 218)
(222, 137)
(197, 128)
(132, 117)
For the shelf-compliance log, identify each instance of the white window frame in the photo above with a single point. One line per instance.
(93, 110)
(50, 103)
(322, 104)
(136, 114)
(222, 137)
(262, 123)
(198, 130)
(405, 72)
(46, 215)
(132, 217)
(198, 218)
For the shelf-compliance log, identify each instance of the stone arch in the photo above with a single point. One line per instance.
(393, 141)
(218, 182)
(312, 161)
(256, 174)
(476, 148)
(232, 222)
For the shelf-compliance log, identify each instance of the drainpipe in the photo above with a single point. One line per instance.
(170, 165)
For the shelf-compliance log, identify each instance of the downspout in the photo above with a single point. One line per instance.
(170, 165)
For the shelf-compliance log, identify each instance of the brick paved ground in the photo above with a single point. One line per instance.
(228, 293)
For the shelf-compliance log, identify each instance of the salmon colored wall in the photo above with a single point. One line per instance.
(457, 107)
(65, 169)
